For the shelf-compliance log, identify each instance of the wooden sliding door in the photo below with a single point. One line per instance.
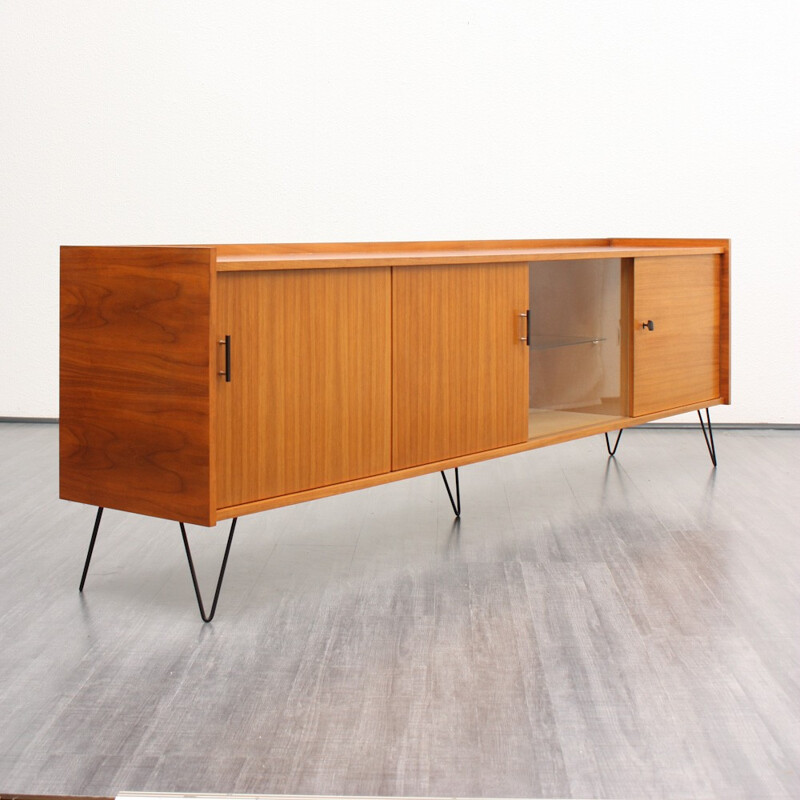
(460, 369)
(676, 332)
(308, 402)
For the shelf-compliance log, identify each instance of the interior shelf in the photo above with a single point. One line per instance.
(548, 342)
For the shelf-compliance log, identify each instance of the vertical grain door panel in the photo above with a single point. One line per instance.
(308, 403)
(678, 362)
(460, 369)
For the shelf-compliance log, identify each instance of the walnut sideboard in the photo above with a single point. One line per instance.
(201, 383)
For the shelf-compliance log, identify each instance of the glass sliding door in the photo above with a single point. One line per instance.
(575, 345)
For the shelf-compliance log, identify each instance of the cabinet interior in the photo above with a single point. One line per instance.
(576, 369)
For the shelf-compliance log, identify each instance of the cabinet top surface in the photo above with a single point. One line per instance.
(232, 258)
(250, 257)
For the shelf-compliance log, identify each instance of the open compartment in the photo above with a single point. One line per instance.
(576, 367)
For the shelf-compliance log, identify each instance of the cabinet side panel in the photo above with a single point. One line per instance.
(460, 368)
(134, 372)
(676, 363)
(725, 327)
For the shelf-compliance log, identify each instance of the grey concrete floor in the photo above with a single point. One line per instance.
(591, 628)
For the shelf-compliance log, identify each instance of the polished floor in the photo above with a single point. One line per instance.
(591, 628)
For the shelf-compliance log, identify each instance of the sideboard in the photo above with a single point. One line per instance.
(201, 383)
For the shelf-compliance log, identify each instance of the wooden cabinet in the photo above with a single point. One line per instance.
(351, 365)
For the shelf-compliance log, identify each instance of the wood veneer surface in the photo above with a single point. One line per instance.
(679, 361)
(460, 371)
(309, 399)
(136, 380)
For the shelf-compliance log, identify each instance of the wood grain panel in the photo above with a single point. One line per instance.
(309, 400)
(460, 369)
(678, 362)
(135, 373)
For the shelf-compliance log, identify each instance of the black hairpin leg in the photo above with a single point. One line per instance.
(709, 437)
(221, 572)
(616, 443)
(457, 502)
(91, 547)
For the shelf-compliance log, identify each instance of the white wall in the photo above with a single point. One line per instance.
(149, 121)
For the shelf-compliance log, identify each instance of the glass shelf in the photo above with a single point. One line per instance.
(544, 342)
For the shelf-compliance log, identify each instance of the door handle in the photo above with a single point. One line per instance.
(226, 343)
(527, 337)
(649, 325)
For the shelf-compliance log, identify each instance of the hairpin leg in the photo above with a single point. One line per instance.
(91, 547)
(457, 502)
(188, 555)
(221, 572)
(709, 437)
(616, 443)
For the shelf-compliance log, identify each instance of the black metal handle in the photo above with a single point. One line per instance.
(649, 325)
(528, 327)
(227, 371)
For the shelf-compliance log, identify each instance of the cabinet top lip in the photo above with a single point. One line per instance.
(313, 255)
